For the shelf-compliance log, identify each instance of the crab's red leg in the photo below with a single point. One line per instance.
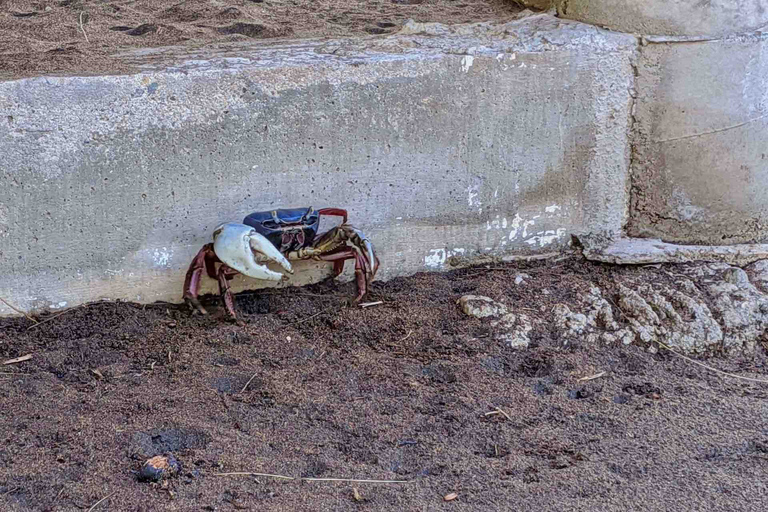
(224, 275)
(338, 212)
(338, 267)
(205, 259)
(339, 256)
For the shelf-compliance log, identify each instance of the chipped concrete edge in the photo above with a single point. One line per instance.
(645, 251)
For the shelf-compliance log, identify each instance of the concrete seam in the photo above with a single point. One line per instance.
(630, 191)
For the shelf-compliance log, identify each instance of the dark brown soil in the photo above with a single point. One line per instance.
(80, 36)
(400, 391)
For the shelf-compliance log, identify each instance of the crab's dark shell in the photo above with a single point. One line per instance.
(287, 229)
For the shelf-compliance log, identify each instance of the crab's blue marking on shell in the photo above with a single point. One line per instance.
(287, 229)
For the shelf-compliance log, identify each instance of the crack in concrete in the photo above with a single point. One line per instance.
(720, 130)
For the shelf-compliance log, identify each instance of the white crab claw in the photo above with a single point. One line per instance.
(266, 251)
(369, 251)
(368, 246)
(232, 243)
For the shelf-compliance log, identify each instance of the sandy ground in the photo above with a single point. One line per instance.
(64, 37)
(399, 391)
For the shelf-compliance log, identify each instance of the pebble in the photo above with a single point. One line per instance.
(158, 468)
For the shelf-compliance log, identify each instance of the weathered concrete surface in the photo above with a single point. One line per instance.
(700, 160)
(644, 251)
(713, 18)
(492, 139)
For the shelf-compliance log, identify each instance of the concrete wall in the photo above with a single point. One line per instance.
(700, 162)
(709, 18)
(489, 139)
(700, 137)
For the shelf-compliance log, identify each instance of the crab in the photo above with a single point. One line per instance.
(279, 236)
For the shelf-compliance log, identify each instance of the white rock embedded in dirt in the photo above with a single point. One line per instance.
(725, 312)
(600, 311)
(480, 306)
(512, 330)
(521, 279)
(658, 313)
(693, 309)
(573, 323)
(742, 309)
(634, 306)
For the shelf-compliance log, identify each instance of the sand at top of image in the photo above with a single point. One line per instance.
(66, 37)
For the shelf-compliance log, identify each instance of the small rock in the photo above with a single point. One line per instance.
(512, 330)
(451, 497)
(578, 394)
(479, 306)
(521, 279)
(736, 276)
(626, 336)
(574, 323)
(158, 468)
(621, 399)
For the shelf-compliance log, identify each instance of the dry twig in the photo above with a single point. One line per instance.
(498, 411)
(17, 310)
(591, 377)
(678, 354)
(307, 319)
(83, 29)
(51, 318)
(305, 479)
(249, 381)
(100, 501)
(369, 304)
(18, 359)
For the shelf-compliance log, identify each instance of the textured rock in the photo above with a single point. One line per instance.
(600, 311)
(729, 314)
(520, 279)
(480, 306)
(658, 313)
(572, 323)
(512, 330)
(159, 468)
(742, 309)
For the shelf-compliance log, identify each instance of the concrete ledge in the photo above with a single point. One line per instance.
(714, 18)
(644, 251)
(700, 160)
(489, 139)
